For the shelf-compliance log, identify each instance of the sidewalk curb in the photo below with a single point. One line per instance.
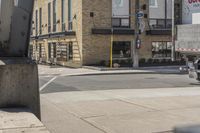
(130, 68)
(122, 73)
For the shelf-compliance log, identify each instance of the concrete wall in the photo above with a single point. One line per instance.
(19, 84)
(96, 47)
(6, 10)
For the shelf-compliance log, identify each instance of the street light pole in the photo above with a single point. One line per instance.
(111, 49)
(135, 49)
(173, 32)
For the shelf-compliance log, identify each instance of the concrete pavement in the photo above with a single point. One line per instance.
(121, 111)
(72, 108)
(20, 120)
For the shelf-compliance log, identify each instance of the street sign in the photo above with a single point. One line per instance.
(138, 43)
(142, 25)
(140, 14)
(140, 17)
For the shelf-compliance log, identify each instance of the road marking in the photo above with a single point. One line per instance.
(50, 81)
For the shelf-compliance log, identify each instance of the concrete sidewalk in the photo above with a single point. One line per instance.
(63, 71)
(20, 121)
(121, 111)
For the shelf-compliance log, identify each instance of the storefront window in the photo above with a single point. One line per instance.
(121, 49)
(62, 52)
(71, 51)
(161, 50)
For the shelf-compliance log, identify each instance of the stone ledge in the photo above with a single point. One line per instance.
(15, 60)
(18, 120)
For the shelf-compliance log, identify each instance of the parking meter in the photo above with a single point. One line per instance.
(15, 25)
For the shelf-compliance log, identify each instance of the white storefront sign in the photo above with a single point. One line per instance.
(190, 11)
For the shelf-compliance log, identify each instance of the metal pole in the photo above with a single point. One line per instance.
(111, 49)
(173, 32)
(135, 50)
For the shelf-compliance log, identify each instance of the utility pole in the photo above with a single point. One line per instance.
(135, 49)
(173, 32)
(111, 49)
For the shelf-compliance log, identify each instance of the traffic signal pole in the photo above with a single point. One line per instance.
(136, 37)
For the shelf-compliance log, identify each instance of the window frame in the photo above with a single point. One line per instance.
(54, 16)
(49, 17)
(164, 50)
(122, 18)
(153, 6)
(36, 22)
(63, 14)
(40, 21)
(127, 46)
(70, 23)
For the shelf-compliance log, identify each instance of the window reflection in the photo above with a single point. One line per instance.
(161, 50)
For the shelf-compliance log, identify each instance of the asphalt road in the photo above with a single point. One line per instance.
(108, 82)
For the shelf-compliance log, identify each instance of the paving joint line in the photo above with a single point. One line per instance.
(95, 116)
(93, 125)
(169, 131)
(153, 109)
(76, 116)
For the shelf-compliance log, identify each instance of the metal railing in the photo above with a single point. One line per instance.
(160, 23)
(121, 22)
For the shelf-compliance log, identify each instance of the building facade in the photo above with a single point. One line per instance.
(87, 32)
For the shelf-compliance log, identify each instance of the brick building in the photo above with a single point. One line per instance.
(78, 32)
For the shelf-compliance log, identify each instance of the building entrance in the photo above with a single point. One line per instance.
(122, 52)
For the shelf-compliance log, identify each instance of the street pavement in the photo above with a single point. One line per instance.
(119, 103)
